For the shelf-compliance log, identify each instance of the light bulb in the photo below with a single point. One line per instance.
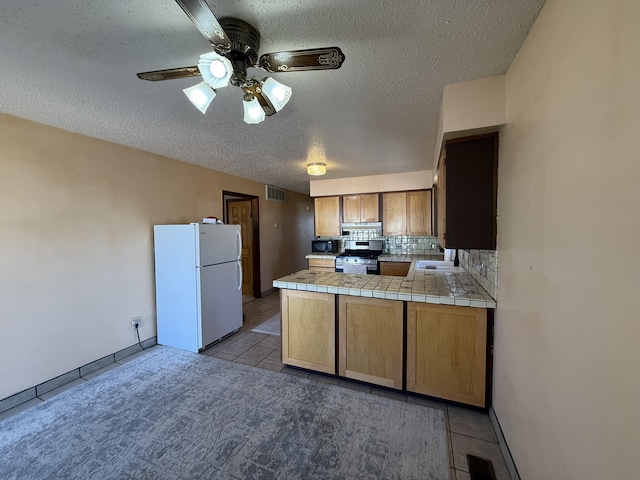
(253, 112)
(217, 69)
(279, 93)
(201, 95)
(198, 98)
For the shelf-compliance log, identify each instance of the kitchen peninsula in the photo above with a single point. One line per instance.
(428, 332)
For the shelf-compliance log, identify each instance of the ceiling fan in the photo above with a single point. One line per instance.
(236, 44)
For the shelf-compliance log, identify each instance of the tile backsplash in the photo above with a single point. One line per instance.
(482, 265)
(395, 245)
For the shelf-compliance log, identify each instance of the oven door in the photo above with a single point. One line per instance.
(356, 268)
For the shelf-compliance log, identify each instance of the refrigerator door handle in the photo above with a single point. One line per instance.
(239, 244)
(239, 276)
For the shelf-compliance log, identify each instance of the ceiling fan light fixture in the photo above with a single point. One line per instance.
(277, 93)
(316, 168)
(201, 95)
(215, 69)
(253, 112)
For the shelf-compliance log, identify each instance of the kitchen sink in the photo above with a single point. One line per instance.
(439, 265)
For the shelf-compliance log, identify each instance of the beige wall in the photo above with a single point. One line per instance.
(475, 104)
(76, 235)
(372, 183)
(471, 108)
(567, 330)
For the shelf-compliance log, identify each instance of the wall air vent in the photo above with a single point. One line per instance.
(276, 194)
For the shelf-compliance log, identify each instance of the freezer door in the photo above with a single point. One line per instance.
(176, 286)
(220, 288)
(218, 243)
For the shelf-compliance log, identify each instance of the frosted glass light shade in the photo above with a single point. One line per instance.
(316, 168)
(277, 93)
(253, 112)
(201, 95)
(215, 69)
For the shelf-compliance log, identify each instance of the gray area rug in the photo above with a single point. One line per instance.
(271, 326)
(172, 414)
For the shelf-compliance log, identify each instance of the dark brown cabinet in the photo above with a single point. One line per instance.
(467, 190)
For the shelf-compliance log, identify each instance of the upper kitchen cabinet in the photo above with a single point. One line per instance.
(406, 213)
(360, 208)
(419, 212)
(467, 193)
(327, 216)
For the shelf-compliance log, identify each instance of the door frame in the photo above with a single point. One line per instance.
(227, 197)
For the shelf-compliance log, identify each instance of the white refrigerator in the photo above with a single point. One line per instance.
(198, 283)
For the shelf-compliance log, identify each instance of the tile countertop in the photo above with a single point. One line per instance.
(385, 257)
(454, 287)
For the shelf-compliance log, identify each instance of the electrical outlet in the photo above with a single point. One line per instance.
(135, 322)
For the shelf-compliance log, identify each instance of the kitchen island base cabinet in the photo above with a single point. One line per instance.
(371, 340)
(308, 330)
(446, 352)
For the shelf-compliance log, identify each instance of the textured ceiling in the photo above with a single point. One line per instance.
(72, 64)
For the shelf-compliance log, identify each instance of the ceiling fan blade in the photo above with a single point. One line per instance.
(302, 60)
(169, 74)
(201, 15)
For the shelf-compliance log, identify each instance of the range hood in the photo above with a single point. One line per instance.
(362, 226)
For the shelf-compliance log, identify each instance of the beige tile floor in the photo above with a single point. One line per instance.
(469, 431)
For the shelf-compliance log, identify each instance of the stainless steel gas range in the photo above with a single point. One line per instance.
(360, 257)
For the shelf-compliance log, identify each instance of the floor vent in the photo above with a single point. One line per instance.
(480, 468)
(276, 194)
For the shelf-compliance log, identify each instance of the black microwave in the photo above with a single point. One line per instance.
(324, 246)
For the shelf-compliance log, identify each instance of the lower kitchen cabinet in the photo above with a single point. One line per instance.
(447, 352)
(308, 330)
(398, 269)
(322, 264)
(370, 340)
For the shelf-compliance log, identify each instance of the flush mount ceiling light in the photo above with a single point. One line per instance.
(236, 44)
(316, 168)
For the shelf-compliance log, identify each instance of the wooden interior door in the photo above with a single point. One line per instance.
(240, 214)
